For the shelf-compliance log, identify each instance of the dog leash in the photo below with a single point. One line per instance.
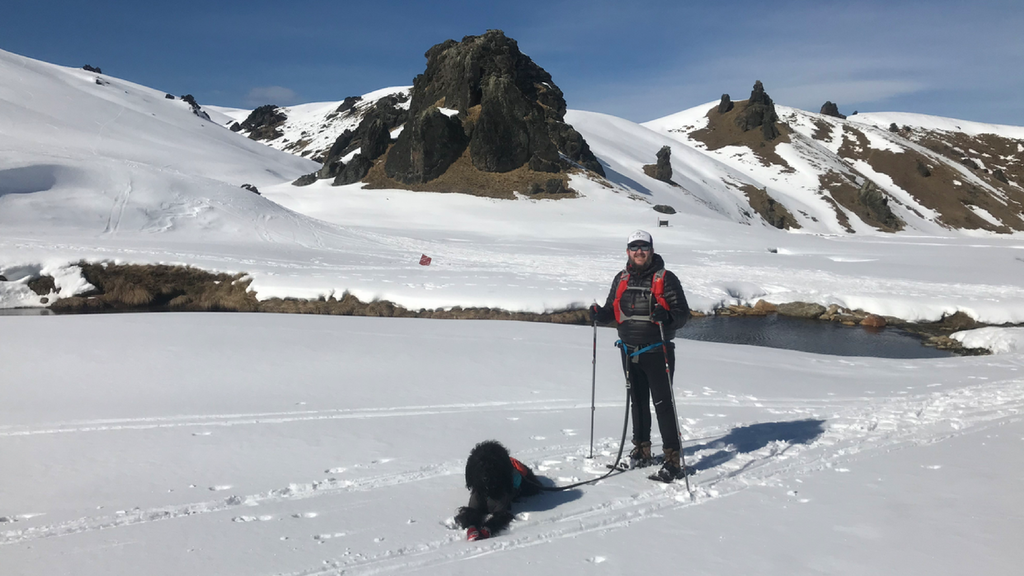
(614, 467)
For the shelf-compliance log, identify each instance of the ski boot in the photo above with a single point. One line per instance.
(640, 456)
(671, 469)
(474, 533)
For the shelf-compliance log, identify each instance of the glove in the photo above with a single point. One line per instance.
(660, 315)
(594, 311)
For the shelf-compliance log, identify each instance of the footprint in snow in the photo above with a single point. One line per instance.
(220, 487)
(202, 433)
(337, 470)
(596, 559)
(305, 515)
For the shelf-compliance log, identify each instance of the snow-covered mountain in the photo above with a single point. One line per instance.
(869, 172)
(99, 169)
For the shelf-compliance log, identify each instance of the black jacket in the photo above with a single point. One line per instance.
(638, 331)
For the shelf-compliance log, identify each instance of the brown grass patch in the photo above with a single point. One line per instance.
(464, 178)
(995, 152)
(840, 215)
(822, 130)
(768, 208)
(120, 287)
(722, 131)
(847, 194)
(180, 288)
(938, 191)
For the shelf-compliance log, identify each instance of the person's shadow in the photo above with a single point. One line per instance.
(745, 439)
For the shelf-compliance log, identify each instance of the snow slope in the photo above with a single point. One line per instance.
(118, 172)
(273, 444)
(311, 129)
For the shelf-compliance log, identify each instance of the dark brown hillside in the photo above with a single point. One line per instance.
(938, 186)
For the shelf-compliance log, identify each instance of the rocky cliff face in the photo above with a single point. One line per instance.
(484, 101)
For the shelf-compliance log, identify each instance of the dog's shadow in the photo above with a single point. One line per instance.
(547, 500)
(745, 439)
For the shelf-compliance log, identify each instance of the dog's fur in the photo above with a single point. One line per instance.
(491, 493)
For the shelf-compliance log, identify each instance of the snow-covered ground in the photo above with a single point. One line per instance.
(116, 171)
(273, 444)
(265, 444)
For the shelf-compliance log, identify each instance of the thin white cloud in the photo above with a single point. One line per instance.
(277, 95)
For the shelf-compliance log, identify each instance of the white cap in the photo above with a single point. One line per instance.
(640, 236)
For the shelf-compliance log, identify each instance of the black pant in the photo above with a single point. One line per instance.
(647, 379)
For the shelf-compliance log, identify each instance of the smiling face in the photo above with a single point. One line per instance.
(639, 253)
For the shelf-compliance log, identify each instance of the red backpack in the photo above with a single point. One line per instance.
(657, 290)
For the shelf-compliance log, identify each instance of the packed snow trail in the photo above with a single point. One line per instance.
(295, 454)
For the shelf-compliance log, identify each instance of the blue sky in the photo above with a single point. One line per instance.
(638, 60)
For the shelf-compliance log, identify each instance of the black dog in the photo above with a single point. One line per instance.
(495, 480)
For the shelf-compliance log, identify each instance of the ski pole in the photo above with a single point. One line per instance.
(675, 413)
(593, 390)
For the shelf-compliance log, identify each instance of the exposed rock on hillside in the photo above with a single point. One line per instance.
(196, 108)
(831, 109)
(769, 209)
(662, 170)
(725, 105)
(371, 137)
(877, 205)
(759, 111)
(263, 122)
(483, 101)
(433, 141)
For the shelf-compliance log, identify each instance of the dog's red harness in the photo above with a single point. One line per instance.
(519, 466)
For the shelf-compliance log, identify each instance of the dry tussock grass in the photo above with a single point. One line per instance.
(464, 178)
(768, 208)
(160, 287)
(938, 191)
(180, 288)
(722, 131)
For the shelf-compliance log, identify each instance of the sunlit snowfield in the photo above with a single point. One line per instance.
(271, 444)
(262, 444)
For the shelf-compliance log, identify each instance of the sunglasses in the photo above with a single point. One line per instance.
(641, 247)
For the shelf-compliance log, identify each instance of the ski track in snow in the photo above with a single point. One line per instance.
(107, 425)
(853, 428)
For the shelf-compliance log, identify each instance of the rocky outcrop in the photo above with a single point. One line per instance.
(759, 112)
(507, 108)
(877, 204)
(43, 285)
(94, 69)
(371, 137)
(263, 123)
(923, 169)
(305, 180)
(662, 170)
(664, 209)
(831, 109)
(725, 105)
(432, 142)
(196, 108)
(348, 104)
(354, 171)
(553, 186)
(801, 309)
(251, 188)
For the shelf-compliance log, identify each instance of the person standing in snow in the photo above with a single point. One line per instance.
(646, 300)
